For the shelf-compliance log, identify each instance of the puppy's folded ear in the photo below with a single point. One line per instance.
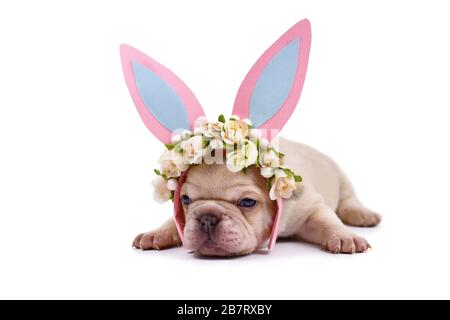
(271, 90)
(163, 101)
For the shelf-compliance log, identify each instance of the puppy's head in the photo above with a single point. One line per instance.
(226, 213)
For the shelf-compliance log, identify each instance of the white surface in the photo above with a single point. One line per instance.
(76, 162)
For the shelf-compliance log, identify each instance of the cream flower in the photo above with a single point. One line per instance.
(176, 138)
(235, 161)
(212, 129)
(208, 129)
(172, 164)
(245, 155)
(172, 184)
(269, 159)
(215, 144)
(267, 172)
(186, 134)
(234, 131)
(283, 185)
(193, 149)
(160, 193)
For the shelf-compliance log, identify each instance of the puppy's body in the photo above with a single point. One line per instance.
(316, 213)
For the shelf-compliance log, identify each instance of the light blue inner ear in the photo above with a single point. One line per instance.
(274, 84)
(160, 99)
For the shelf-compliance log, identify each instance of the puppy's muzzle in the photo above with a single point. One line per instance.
(208, 222)
(209, 215)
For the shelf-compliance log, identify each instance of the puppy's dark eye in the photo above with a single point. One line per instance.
(186, 200)
(247, 203)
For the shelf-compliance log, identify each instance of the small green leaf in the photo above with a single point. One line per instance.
(298, 178)
(157, 172)
(278, 153)
(221, 118)
(172, 195)
(169, 146)
(289, 172)
(177, 148)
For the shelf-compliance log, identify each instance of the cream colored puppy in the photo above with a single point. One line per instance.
(231, 213)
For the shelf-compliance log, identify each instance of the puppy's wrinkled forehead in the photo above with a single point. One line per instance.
(217, 182)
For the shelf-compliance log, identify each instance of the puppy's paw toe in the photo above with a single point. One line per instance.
(156, 240)
(137, 241)
(346, 243)
(360, 217)
(361, 244)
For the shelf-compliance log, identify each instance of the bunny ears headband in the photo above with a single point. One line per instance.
(265, 101)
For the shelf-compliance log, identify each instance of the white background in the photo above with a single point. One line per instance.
(76, 161)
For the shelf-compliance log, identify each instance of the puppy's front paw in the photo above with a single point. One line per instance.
(158, 239)
(345, 242)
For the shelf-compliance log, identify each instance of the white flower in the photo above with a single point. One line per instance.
(267, 172)
(186, 134)
(251, 153)
(208, 129)
(243, 157)
(176, 138)
(193, 149)
(172, 164)
(160, 193)
(212, 129)
(235, 117)
(234, 132)
(235, 161)
(215, 144)
(269, 159)
(172, 184)
(283, 185)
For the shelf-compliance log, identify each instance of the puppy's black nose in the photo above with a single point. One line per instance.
(208, 222)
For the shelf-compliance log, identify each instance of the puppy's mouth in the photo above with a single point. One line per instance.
(211, 232)
(216, 236)
(212, 248)
(218, 229)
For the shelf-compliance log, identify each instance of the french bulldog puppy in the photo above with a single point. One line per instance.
(230, 214)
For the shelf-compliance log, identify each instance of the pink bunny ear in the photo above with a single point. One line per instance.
(271, 90)
(163, 101)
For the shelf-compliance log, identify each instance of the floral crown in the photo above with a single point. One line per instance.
(242, 145)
